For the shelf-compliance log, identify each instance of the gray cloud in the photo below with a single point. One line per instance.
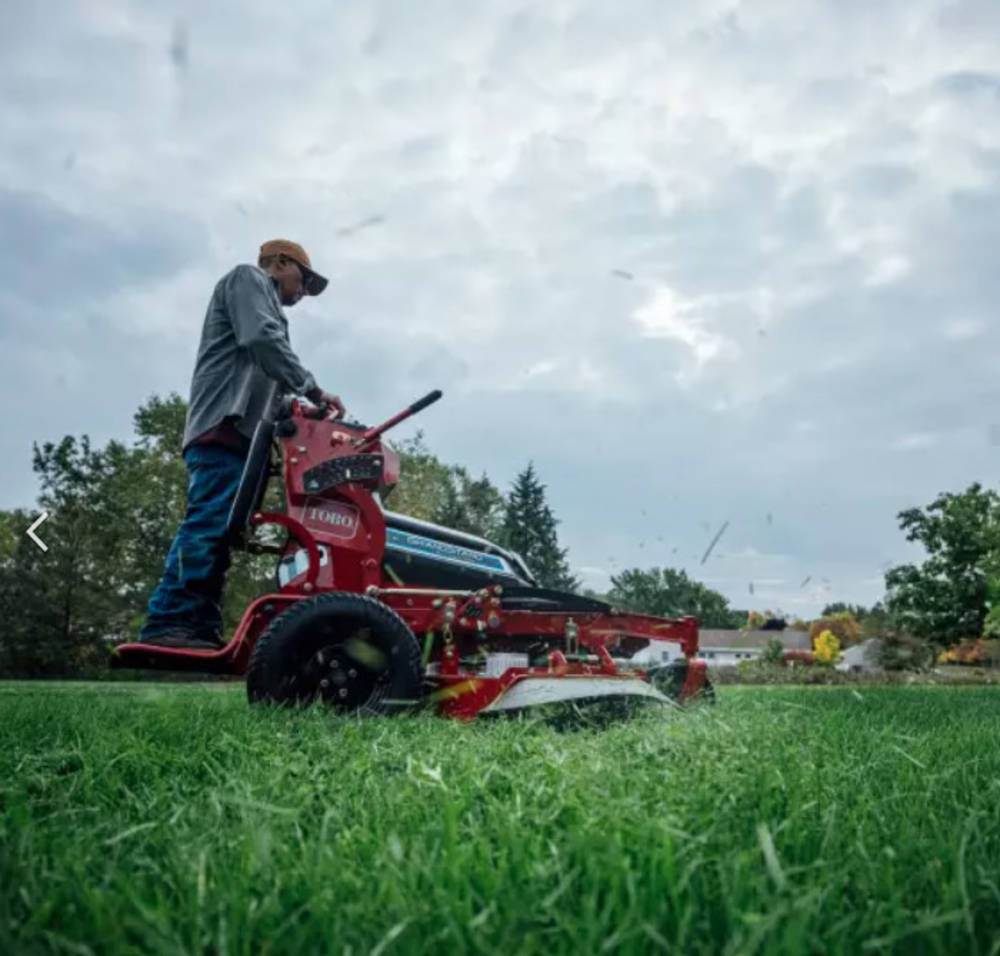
(969, 82)
(62, 256)
(810, 226)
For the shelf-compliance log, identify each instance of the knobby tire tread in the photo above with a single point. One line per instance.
(272, 651)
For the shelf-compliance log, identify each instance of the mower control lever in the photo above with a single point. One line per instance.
(372, 433)
(429, 399)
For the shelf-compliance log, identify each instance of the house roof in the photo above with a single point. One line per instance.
(718, 638)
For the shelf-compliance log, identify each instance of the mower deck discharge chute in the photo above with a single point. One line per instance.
(376, 612)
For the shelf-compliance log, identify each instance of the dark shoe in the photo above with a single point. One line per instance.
(186, 638)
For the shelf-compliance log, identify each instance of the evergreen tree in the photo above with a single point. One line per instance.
(529, 529)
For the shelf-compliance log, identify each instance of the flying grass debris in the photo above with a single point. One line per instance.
(714, 541)
(179, 46)
(363, 224)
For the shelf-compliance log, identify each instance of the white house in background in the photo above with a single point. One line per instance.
(725, 648)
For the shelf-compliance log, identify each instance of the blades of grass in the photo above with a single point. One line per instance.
(386, 940)
(131, 831)
(912, 759)
(67, 945)
(963, 886)
(771, 857)
(943, 919)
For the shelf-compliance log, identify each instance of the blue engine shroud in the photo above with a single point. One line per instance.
(396, 540)
(420, 553)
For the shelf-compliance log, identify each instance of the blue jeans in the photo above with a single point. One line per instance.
(190, 593)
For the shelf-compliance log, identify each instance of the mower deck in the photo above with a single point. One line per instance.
(538, 691)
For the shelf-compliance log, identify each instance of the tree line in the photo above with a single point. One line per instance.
(114, 510)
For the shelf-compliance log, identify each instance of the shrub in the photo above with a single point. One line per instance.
(773, 653)
(975, 653)
(842, 625)
(797, 656)
(901, 652)
(827, 648)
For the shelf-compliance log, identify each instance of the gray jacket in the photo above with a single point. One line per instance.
(244, 350)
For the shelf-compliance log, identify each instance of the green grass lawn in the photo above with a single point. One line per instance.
(173, 819)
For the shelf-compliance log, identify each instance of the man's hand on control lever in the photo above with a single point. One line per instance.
(326, 401)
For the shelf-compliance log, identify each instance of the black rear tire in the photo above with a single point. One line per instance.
(348, 651)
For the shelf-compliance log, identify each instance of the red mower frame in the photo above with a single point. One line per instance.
(333, 473)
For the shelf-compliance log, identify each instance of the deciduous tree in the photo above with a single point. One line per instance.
(944, 599)
(671, 593)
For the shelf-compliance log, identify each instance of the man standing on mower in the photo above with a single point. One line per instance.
(244, 348)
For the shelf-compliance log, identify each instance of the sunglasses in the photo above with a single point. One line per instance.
(309, 280)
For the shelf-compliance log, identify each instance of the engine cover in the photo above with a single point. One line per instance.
(416, 559)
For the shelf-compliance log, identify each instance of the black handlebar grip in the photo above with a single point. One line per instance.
(429, 399)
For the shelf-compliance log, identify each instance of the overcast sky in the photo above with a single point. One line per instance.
(700, 262)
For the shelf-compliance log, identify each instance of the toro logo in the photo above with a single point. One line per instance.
(330, 517)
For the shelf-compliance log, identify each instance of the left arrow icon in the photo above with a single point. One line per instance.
(31, 531)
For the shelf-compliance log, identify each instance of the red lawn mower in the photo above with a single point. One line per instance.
(378, 613)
